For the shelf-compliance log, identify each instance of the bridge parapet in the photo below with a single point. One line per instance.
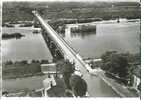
(69, 52)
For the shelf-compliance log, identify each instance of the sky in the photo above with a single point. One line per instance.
(76, 0)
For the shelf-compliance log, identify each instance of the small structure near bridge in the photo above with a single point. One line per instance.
(48, 68)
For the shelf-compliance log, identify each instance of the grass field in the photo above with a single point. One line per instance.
(19, 70)
(30, 83)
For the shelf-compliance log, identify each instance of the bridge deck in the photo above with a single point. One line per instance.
(68, 51)
(72, 56)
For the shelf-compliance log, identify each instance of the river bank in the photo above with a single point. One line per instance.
(19, 70)
(30, 83)
(121, 90)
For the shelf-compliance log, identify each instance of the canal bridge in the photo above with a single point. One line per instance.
(61, 49)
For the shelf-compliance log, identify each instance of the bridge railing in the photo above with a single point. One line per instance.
(71, 49)
(75, 54)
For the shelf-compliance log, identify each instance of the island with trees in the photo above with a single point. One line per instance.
(11, 36)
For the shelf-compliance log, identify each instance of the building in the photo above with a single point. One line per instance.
(136, 77)
(48, 83)
(48, 68)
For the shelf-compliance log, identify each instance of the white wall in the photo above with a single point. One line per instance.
(137, 81)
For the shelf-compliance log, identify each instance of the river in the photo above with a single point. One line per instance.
(121, 37)
(32, 46)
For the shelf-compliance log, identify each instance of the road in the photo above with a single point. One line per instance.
(96, 86)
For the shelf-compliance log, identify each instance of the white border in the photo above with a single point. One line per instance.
(43, 98)
(28, 98)
(0, 49)
(75, 0)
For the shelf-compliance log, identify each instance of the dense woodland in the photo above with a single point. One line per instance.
(15, 11)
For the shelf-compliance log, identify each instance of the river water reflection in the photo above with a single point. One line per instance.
(121, 37)
(32, 46)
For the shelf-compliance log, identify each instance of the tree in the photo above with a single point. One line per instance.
(78, 85)
(116, 63)
(9, 62)
(139, 87)
(68, 69)
(23, 62)
(44, 61)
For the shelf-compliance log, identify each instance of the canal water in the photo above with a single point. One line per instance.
(121, 37)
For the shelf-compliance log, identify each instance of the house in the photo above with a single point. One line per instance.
(136, 77)
(48, 68)
(48, 83)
